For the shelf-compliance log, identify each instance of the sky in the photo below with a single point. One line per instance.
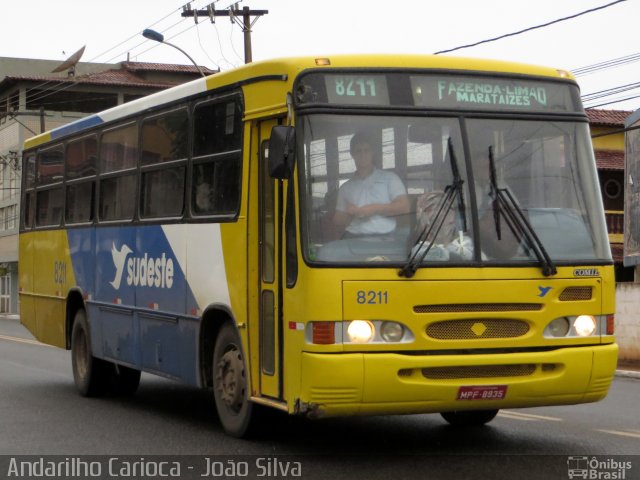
(111, 31)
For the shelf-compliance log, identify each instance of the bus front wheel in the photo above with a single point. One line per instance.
(90, 374)
(230, 383)
(469, 418)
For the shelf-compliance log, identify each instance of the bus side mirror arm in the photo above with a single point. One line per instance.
(282, 148)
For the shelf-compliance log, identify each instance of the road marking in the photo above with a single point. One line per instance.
(24, 340)
(515, 417)
(620, 433)
(527, 416)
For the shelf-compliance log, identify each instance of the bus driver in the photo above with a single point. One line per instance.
(368, 203)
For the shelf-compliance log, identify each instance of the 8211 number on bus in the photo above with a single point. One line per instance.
(372, 297)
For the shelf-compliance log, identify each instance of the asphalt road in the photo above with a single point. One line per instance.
(41, 414)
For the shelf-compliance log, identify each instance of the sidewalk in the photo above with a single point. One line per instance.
(628, 369)
(625, 368)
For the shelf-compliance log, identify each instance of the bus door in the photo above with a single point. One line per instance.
(270, 241)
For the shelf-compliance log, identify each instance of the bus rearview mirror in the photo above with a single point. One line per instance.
(282, 151)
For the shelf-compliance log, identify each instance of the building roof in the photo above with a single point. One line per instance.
(607, 118)
(130, 74)
(611, 160)
(107, 78)
(164, 67)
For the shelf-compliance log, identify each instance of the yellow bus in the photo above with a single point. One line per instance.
(352, 235)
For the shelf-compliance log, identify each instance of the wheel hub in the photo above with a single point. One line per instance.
(230, 379)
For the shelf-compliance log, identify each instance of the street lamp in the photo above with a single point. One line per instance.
(158, 37)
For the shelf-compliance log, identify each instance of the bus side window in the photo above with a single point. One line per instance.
(216, 173)
(118, 159)
(29, 193)
(81, 169)
(49, 198)
(164, 164)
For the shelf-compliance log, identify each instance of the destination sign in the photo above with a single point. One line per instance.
(492, 93)
(441, 91)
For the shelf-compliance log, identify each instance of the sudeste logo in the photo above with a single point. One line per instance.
(145, 271)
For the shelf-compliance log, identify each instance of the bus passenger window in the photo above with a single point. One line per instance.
(216, 174)
(50, 166)
(81, 164)
(162, 193)
(81, 157)
(216, 187)
(118, 153)
(217, 127)
(49, 207)
(116, 197)
(28, 209)
(79, 204)
(164, 159)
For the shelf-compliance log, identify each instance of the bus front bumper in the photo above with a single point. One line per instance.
(391, 383)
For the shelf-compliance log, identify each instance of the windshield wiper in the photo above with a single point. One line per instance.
(504, 204)
(431, 230)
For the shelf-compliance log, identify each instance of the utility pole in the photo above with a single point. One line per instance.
(246, 13)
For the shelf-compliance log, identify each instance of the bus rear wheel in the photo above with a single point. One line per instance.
(91, 375)
(469, 418)
(230, 383)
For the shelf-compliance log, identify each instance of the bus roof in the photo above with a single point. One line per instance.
(286, 70)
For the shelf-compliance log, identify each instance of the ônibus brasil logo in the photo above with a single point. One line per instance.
(145, 271)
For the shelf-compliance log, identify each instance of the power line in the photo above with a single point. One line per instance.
(54, 90)
(234, 14)
(615, 101)
(51, 91)
(136, 35)
(531, 28)
(610, 91)
(615, 62)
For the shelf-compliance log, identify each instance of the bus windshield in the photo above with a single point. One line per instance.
(428, 193)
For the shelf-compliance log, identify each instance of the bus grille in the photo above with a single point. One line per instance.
(478, 307)
(572, 294)
(472, 329)
(481, 371)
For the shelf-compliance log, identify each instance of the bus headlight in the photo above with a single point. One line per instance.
(578, 326)
(559, 327)
(584, 325)
(391, 332)
(360, 331)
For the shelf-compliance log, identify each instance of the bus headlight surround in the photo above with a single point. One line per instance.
(391, 332)
(360, 331)
(585, 325)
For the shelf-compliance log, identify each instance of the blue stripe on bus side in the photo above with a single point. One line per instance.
(76, 126)
(137, 298)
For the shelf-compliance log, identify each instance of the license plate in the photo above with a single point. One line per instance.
(488, 392)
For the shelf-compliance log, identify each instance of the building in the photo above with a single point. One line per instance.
(607, 132)
(33, 99)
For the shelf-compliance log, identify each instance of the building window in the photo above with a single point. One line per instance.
(612, 189)
(5, 293)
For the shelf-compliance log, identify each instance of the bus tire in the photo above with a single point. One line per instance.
(126, 380)
(90, 374)
(230, 383)
(469, 418)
